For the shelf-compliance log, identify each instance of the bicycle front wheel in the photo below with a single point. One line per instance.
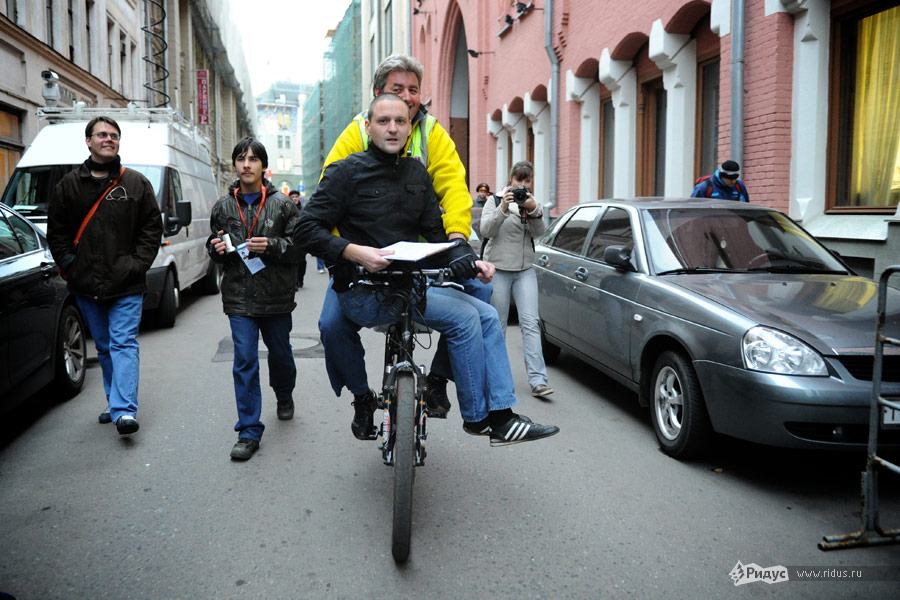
(404, 464)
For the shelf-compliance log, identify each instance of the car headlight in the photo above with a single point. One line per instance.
(772, 351)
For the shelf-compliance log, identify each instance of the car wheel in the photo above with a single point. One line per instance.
(211, 283)
(71, 353)
(550, 350)
(677, 408)
(168, 303)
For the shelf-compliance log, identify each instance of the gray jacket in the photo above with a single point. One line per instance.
(510, 242)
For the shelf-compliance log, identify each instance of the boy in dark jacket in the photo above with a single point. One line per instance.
(251, 228)
(105, 256)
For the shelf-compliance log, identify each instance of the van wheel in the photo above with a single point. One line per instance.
(168, 303)
(212, 281)
(71, 353)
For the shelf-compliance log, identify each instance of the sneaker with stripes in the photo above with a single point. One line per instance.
(518, 429)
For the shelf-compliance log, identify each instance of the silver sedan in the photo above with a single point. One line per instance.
(724, 317)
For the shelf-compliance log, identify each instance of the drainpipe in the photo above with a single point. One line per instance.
(737, 82)
(554, 108)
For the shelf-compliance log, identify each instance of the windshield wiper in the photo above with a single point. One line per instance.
(689, 270)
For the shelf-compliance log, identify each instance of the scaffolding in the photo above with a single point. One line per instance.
(336, 99)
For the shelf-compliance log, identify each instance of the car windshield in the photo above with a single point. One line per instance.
(685, 240)
(29, 189)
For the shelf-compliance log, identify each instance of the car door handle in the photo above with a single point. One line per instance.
(47, 270)
(581, 274)
(544, 260)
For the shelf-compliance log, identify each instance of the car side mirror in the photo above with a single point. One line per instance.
(182, 218)
(619, 257)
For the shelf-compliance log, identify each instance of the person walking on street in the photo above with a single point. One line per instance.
(723, 184)
(509, 224)
(104, 229)
(251, 236)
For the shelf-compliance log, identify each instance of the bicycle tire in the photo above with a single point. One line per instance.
(404, 464)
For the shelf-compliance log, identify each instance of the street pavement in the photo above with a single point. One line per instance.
(593, 512)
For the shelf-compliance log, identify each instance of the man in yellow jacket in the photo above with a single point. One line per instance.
(431, 144)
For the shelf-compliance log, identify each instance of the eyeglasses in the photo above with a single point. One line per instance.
(103, 135)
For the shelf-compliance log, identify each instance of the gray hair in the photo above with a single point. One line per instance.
(396, 62)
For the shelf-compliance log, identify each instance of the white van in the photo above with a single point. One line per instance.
(175, 159)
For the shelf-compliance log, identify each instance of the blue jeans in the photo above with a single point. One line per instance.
(345, 357)
(522, 285)
(114, 326)
(320, 264)
(245, 332)
(481, 371)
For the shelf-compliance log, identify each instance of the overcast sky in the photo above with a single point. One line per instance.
(295, 52)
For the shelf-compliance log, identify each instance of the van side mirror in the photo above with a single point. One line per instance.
(619, 257)
(182, 218)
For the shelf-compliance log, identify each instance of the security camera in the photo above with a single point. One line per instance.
(49, 76)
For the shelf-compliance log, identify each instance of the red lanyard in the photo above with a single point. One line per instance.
(259, 210)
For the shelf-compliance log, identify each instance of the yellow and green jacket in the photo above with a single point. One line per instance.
(438, 153)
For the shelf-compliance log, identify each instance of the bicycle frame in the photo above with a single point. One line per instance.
(403, 393)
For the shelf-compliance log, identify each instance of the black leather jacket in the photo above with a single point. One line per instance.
(373, 199)
(271, 290)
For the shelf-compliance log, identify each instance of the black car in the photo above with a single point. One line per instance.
(42, 333)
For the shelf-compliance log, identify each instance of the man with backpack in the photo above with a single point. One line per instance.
(723, 184)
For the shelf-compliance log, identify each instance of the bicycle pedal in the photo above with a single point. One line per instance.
(435, 415)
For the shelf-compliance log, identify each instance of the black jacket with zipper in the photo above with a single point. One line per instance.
(271, 290)
(374, 199)
(119, 243)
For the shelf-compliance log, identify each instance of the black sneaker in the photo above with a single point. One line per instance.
(520, 429)
(104, 417)
(436, 399)
(244, 449)
(127, 424)
(285, 410)
(363, 426)
(484, 427)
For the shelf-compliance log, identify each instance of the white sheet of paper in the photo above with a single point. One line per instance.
(415, 250)
(255, 264)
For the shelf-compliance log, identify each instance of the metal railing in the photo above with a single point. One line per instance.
(870, 532)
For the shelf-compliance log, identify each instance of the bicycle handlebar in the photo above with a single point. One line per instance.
(440, 276)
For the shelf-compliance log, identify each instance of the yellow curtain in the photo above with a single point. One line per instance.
(876, 132)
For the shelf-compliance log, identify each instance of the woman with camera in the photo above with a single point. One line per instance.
(509, 224)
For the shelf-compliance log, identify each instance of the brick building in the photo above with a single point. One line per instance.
(643, 102)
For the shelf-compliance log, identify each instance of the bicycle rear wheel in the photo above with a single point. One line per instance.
(404, 464)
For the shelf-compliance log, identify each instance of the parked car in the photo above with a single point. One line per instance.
(42, 334)
(724, 317)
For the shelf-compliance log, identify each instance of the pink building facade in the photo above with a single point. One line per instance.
(644, 102)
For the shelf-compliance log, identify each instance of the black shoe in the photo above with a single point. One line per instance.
(244, 449)
(436, 399)
(520, 429)
(363, 426)
(285, 410)
(104, 417)
(484, 427)
(127, 424)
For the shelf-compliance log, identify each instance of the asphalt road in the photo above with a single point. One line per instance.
(594, 512)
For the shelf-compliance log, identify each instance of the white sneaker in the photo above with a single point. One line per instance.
(321, 271)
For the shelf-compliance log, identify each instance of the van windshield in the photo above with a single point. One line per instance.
(29, 189)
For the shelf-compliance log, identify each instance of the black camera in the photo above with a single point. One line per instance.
(520, 194)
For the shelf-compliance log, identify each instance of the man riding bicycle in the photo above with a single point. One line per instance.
(379, 197)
